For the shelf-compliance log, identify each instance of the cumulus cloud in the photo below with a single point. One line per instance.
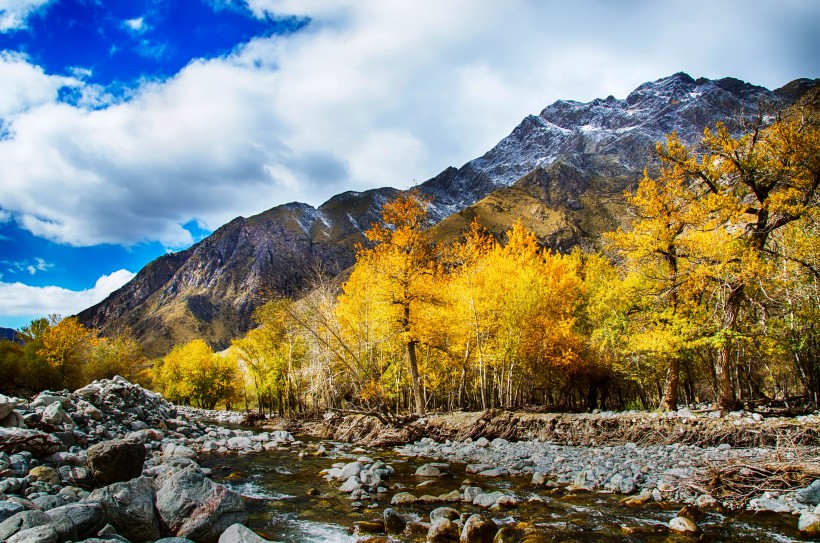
(17, 299)
(24, 86)
(13, 13)
(370, 93)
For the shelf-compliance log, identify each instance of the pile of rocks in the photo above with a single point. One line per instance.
(652, 473)
(115, 462)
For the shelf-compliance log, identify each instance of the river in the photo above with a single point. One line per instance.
(288, 501)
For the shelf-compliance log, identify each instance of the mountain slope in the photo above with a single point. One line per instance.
(562, 172)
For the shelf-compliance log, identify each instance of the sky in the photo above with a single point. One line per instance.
(131, 129)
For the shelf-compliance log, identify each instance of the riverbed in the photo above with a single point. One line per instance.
(289, 501)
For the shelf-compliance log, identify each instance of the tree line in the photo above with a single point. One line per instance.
(711, 296)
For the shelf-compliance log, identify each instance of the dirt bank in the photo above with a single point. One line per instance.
(739, 429)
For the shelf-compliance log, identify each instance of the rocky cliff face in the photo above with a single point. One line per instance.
(562, 172)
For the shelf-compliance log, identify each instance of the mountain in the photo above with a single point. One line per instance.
(562, 172)
(8, 334)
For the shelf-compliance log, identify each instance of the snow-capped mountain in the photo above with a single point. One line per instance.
(563, 172)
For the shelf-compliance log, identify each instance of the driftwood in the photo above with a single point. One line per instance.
(384, 417)
(14, 440)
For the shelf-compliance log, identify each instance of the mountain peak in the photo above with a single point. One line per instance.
(563, 172)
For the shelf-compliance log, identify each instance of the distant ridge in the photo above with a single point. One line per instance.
(562, 172)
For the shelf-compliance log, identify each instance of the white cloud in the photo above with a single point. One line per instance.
(17, 299)
(137, 25)
(24, 86)
(13, 13)
(370, 93)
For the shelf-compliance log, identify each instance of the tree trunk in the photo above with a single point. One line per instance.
(723, 375)
(669, 401)
(414, 376)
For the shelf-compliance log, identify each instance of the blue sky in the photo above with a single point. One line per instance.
(128, 129)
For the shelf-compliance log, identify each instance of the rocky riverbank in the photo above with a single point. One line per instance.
(115, 462)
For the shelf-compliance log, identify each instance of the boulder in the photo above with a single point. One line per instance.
(237, 533)
(488, 499)
(38, 443)
(129, 507)
(809, 495)
(478, 529)
(394, 523)
(428, 470)
(21, 521)
(443, 530)
(40, 534)
(444, 512)
(352, 484)
(809, 524)
(7, 405)
(353, 469)
(8, 509)
(403, 498)
(44, 474)
(13, 420)
(191, 505)
(116, 460)
(685, 526)
(239, 443)
(77, 521)
(55, 414)
(49, 501)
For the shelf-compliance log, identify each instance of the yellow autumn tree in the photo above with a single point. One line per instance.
(391, 281)
(66, 346)
(192, 374)
(273, 354)
(704, 239)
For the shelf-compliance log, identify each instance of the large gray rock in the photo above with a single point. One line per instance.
(21, 521)
(129, 507)
(8, 509)
(13, 420)
(191, 505)
(77, 521)
(116, 460)
(7, 405)
(809, 495)
(40, 534)
(38, 443)
(56, 415)
(240, 534)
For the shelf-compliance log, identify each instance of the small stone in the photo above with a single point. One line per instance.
(237, 533)
(351, 485)
(368, 527)
(44, 474)
(809, 524)
(444, 512)
(403, 498)
(685, 526)
(538, 478)
(428, 470)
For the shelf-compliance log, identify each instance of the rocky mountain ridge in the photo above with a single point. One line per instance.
(562, 172)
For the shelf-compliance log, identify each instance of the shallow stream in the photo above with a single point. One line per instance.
(277, 484)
